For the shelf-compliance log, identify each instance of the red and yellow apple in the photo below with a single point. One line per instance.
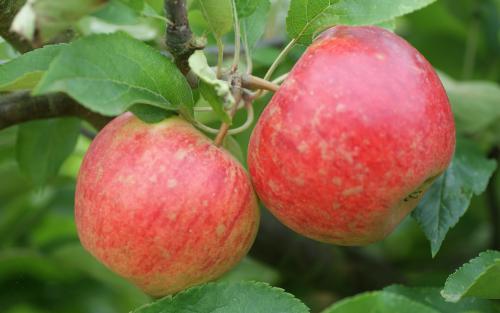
(162, 206)
(353, 138)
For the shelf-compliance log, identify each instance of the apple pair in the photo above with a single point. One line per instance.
(342, 153)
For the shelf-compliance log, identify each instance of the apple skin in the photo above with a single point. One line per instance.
(160, 205)
(353, 138)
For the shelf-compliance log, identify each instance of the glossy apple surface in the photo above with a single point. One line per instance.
(160, 205)
(353, 138)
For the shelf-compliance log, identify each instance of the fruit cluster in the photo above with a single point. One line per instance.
(343, 152)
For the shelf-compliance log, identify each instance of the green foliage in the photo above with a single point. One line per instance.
(475, 103)
(25, 71)
(431, 297)
(217, 92)
(231, 145)
(42, 146)
(450, 195)
(150, 114)
(51, 17)
(117, 12)
(254, 24)
(379, 302)
(219, 15)
(247, 7)
(478, 278)
(306, 18)
(209, 93)
(242, 297)
(44, 269)
(114, 72)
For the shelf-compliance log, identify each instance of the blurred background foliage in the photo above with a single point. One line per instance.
(44, 269)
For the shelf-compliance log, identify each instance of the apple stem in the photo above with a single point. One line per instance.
(232, 131)
(237, 94)
(280, 58)
(254, 82)
(237, 38)
(277, 62)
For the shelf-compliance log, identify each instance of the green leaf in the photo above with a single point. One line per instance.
(432, 298)
(150, 114)
(308, 17)
(217, 92)
(110, 73)
(231, 145)
(474, 103)
(218, 14)
(246, 7)
(253, 26)
(42, 146)
(51, 17)
(242, 297)
(249, 269)
(6, 51)
(209, 93)
(25, 71)
(450, 195)
(118, 13)
(379, 302)
(136, 5)
(480, 278)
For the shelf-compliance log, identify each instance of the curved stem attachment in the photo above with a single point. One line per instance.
(234, 131)
(225, 127)
(280, 58)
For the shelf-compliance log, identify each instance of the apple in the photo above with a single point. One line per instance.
(162, 206)
(353, 138)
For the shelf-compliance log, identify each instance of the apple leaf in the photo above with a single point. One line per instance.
(209, 93)
(51, 17)
(432, 298)
(241, 297)
(136, 5)
(150, 114)
(251, 270)
(478, 278)
(254, 25)
(219, 15)
(118, 13)
(231, 145)
(379, 302)
(246, 8)
(474, 103)
(110, 73)
(217, 92)
(6, 52)
(42, 146)
(308, 17)
(25, 71)
(450, 195)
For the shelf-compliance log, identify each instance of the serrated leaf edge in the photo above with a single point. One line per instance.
(224, 285)
(471, 263)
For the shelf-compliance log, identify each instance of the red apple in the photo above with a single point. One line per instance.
(162, 206)
(353, 137)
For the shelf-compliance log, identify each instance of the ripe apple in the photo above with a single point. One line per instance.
(162, 206)
(353, 138)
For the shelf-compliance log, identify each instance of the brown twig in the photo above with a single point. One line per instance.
(21, 107)
(254, 82)
(180, 41)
